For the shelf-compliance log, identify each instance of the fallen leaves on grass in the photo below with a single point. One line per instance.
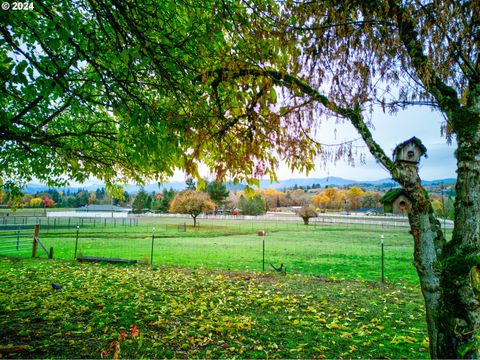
(132, 312)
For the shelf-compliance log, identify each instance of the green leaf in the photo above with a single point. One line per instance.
(466, 348)
(272, 96)
(20, 68)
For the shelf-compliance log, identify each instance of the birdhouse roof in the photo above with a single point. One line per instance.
(416, 141)
(391, 195)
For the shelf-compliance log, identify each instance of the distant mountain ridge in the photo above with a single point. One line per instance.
(264, 184)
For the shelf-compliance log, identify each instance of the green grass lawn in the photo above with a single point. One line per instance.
(139, 311)
(340, 251)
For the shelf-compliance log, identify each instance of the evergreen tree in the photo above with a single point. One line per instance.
(191, 185)
(140, 202)
(252, 206)
(217, 191)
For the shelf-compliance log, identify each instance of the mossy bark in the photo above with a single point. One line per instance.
(449, 272)
(459, 319)
(428, 246)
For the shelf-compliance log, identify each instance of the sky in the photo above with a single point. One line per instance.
(389, 131)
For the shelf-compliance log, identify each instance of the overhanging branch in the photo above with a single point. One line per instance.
(354, 115)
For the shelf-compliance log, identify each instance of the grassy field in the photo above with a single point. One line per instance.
(339, 251)
(140, 311)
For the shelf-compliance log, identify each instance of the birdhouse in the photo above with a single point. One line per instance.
(396, 201)
(410, 151)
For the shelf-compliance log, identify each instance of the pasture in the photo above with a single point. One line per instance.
(323, 250)
(211, 292)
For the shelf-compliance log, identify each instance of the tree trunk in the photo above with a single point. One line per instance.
(460, 316)
(428, 237)
(449, 273)
(428, 245)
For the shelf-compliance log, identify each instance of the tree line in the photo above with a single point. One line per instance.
(221, 200)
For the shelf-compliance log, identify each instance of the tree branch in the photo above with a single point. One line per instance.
(292, 82)
(445, 95)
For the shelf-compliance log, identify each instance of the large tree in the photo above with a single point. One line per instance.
(142, 202)
(342, 59)
(217, 191)
(123, 90)
(103, 88)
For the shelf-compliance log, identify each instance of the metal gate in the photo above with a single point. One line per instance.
(15, 239)
(21, 240)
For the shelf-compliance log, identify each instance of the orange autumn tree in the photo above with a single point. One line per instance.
(193, 203)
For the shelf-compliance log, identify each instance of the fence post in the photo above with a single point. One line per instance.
(35, 237)
(383, 260)
(76, 243)
(263, 252)
(18, 236)
(153, 239)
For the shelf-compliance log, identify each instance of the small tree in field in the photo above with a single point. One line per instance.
(306, 213)
(193, 203)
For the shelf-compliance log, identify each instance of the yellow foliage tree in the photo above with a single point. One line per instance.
(355, 192)
(320, 200)
(331, 193)
(36, 202)
(193, 203)
(438, 207)
(274, 198)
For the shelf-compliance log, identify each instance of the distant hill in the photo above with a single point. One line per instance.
(438, 182)
(265, 184)
(289, 183)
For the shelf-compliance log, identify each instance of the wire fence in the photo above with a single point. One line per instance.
(327, 250)
(63, 222)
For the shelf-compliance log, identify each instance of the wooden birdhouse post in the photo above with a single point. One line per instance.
(406, 156)
(409, 151)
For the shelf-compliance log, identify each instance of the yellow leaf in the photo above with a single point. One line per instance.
(333, 325)
(426, 342)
